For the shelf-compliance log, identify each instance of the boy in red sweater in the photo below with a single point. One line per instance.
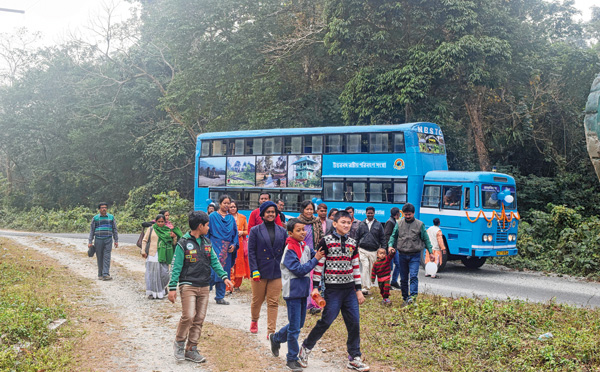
(382, 269)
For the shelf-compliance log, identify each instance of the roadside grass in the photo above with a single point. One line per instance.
(465, 334)
(34, 292)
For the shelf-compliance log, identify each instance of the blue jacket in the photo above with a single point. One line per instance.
(295, 272)
(262, 256)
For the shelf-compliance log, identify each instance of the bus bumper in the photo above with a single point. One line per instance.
(494, 252)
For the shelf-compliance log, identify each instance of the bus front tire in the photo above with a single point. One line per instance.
(472, 262)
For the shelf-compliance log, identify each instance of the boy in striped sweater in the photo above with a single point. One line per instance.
(340, 272)
(382, 269)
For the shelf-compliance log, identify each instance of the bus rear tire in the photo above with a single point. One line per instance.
(472, 262)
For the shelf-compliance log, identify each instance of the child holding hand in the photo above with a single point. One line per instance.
(382, 269)
(297, 263)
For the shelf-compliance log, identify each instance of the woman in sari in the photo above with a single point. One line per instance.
(241, 268)
(314, 233)
(160, 241)
(223, 235)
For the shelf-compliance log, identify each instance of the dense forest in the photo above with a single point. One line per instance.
(117, 120)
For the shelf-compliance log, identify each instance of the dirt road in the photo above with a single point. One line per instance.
(145, 335)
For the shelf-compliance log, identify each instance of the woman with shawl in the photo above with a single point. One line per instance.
(314, 234)
(223, 235)
(241, 268)
(158, 249)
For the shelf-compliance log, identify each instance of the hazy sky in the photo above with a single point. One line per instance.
(57, 18)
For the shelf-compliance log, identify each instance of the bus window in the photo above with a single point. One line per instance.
(452, 197)
(236, 147)
(431, 197)
(219, 147)
(254, 146)
(399, 142)
(400, 195)
(335, 144)
(252, 200)
(205, 148)
(380, 191)
(357, 143)
(313, 144)
(467, 203)
(489, 197)
(378, 142)
(291, 201)
(333, 190)
(272, 146)
(293, 145)
(356, 191)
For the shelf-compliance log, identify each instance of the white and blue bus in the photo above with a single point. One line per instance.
(383, 166)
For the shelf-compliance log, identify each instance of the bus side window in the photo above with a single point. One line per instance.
(253, 146)
(378, 142)
(219, 147)
(272, 146)
(431, 196)
(313, 144)
(205, 148)
(252, 198)
(399, 142)
(293, 145)
(452, 197)
(291, 201)
(333, 190)
(335, 144)
(400, 192)
(477, 196)
(467, 204)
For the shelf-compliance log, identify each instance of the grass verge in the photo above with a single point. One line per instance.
(464, 334)
(34, 292)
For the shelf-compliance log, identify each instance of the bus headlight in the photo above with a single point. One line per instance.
(487, 237)
(512, 237)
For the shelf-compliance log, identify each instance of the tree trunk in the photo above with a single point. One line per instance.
(473, 104)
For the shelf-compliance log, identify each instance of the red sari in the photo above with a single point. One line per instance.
(241, 268)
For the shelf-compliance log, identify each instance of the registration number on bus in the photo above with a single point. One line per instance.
(502, 253)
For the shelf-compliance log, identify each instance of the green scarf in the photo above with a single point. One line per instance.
(165, 245)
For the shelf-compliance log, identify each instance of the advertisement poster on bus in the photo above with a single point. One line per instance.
(304, 171)
(271, 171)
(211, 172)
(431, 143)
(241, 171)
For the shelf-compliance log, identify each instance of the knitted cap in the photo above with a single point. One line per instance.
(263, 207)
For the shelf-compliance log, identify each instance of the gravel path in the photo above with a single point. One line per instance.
(143, 332)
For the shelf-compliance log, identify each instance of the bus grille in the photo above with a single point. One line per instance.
(501, 235)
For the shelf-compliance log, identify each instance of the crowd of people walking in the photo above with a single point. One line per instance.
(330, 254)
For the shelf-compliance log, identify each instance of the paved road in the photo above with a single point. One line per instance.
(489, 281)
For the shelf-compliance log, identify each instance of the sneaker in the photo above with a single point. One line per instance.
(274, 345)
(254, 327)
(150, 297)
(194, 356)
(386, 301)
(179, 350)
(221, 301)
(408, 302)
(314, 310)
(357, 364)
(303, 356)
(99, 277)
(294, 365)
(107, 277)
(395, 285)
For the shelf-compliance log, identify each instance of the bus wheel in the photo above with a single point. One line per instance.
(473, 262)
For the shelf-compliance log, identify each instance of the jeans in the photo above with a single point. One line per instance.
(103, 249)
(346, 301)
(409, 266)
(296, 311)
(396, 271)
(194, 301)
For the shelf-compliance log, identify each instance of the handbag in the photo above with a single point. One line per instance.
(140, 239)
(147, 249)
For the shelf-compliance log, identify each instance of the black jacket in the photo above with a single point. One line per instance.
(389, 229)
(371, 240)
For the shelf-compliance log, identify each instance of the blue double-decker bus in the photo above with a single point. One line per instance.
(380, 165)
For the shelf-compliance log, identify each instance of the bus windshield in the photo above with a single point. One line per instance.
(489, 196)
